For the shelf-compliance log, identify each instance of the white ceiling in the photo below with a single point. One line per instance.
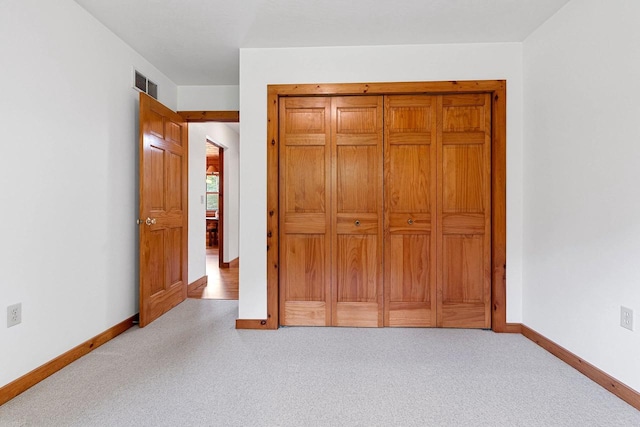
(196, 42)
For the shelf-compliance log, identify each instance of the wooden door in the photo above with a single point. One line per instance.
(464, 211)
(163, 209)
(305, 224)
(410, 150)
(356, 182)
(436, 225)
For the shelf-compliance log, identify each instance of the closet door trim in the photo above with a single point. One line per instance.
(497, 89)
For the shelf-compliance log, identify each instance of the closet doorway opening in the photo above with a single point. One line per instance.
(454, 111)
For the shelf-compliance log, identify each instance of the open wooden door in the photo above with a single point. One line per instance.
(163, 209)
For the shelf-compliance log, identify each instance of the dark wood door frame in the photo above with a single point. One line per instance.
(497, 89)
(222, 117)
(210, 116)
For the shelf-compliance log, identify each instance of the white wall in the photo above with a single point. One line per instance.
(226, 137)
(208, 98)
(582, 171)
(260, 67)
(223, 136)
(197, 203)
(68, 179)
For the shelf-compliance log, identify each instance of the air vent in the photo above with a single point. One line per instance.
(145, 85)
(152, 89)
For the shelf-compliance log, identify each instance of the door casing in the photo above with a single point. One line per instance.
(497, 89)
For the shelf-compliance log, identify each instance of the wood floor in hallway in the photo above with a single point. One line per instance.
(222, 282)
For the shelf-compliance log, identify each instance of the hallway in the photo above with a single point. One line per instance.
(222, 282)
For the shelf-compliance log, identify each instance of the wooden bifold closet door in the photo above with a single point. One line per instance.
(464, 211)
(305, 203)
(331, 204)
(410, 163)
(385, 210)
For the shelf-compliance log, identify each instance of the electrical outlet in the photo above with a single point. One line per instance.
(626, 318)
(14, 314)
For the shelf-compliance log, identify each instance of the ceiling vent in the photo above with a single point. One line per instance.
(143, 84)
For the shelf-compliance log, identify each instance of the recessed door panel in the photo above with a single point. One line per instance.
(156, 261)
(463, 179)
(411, 268)
(409, 178)
(306, 178)
(304, 121)
(305, 273)
(357, 170)
(174, 251)
(174, 182)
(156, 194)
(463, 272)
(357, 279)
(173, 132)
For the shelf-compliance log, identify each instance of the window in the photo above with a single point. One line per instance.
(213, 191)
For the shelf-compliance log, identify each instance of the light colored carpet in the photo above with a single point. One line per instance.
(192, 368)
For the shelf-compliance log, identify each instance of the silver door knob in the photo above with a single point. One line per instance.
(410, 221)
(150, 221)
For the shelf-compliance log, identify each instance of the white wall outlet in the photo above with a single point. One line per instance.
(14, 314)
(626, 318)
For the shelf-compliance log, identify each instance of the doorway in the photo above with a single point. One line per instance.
(186, 196)
(214, 197)
(213, 250)
(222, 277)
(495, 89)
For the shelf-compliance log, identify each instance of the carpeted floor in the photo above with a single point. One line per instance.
(192, 368)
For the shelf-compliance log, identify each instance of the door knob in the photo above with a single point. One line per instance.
(410, 221)
(150, 221)
(357, 223)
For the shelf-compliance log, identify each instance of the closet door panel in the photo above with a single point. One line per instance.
(463, 171)
(463, 270)
(410, 269)
(305, 275)
(409, 177)
(409, 302)
(357, 170)
(464, 211)
(305, 177)
(410, 215)
(357, 210)
(357, 280)
(305, 242)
